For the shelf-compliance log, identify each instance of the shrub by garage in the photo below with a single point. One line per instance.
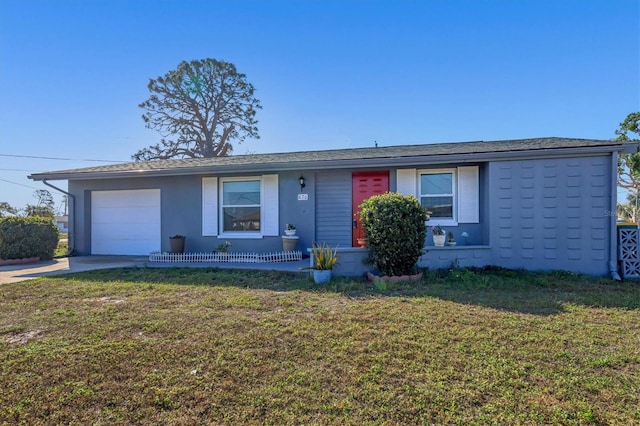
(26, 237)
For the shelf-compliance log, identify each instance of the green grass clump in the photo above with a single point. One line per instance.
(209, 346)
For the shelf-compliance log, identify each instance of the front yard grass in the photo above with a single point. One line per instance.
(207, 346)
(62, 249)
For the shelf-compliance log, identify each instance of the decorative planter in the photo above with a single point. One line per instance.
(438, 240)
(451, 243)
(321, 276)
(176, 244)
(290, 232)
(289, 243)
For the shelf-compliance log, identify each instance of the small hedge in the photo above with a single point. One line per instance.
(23, 237)
(395, 227)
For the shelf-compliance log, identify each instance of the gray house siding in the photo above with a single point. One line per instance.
(551, 213)
(543, 203)
(333, 208)
(181, 212)
(475, 250)
(478, 232)
(459, 256)
(294, 209)
(541, 214)
(179, 195)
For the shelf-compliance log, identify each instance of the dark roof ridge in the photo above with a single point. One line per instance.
(419, 145)
(284, 160)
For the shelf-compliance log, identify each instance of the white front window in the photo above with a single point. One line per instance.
(437, 189)
(452, 195)
(240, 207)
(244, 207)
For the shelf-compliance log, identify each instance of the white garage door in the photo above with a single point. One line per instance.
(125, 222)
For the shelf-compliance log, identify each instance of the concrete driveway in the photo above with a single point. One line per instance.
(67, 265)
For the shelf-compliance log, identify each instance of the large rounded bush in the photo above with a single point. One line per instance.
(395, 227)
(22, 237)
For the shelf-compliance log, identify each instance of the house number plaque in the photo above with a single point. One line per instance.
(303, 197)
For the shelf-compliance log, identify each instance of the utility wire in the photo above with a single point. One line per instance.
(16, 183)
(59, 158)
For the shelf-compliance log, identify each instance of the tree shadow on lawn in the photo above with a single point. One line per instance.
(534, 293)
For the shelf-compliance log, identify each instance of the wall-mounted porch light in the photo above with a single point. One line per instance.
(302, 184)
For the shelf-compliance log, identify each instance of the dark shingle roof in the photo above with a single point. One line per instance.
(328, 158)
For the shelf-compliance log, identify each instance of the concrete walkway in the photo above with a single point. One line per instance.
(69, 265)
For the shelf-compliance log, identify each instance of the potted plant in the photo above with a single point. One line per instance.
(221, 251)
(223, 247)
(176, 243)
(289, 243)
(438, 235)
(451, 241)
(290, 229)
(324, 259)
(396, 232)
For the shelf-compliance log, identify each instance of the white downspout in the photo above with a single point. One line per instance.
(613, 216)
(72, 215)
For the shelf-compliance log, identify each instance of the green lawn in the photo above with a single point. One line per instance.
(62, 249)
(203, 346)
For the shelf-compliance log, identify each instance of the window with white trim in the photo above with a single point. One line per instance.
(437, 189)
(453, 194)
(240, 207)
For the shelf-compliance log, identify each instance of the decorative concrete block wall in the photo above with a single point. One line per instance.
(628, 253)
(551, 213)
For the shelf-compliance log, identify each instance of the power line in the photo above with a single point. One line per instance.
(59, 158)
(16, 183)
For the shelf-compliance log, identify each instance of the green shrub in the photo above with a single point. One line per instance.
(395, 228)
(22, 237)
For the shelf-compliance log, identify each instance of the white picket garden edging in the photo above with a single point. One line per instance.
(282, 256)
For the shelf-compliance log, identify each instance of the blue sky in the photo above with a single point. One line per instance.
(329, 74)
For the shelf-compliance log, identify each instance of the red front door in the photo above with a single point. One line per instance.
(364, 185)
